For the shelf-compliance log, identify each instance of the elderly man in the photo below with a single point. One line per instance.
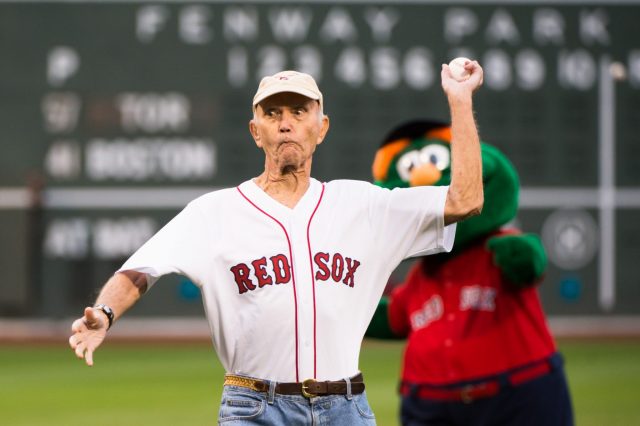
(290, 268)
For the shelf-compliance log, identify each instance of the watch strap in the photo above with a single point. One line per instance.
(107, 311)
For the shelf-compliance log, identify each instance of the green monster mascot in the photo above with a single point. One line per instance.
(479, 351)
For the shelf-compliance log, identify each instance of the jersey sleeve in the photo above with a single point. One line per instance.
(173, 249)
(409, 222)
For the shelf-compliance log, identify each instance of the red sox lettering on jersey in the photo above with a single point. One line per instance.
(474, 297)
(304, 264)
(478, 298)
(277, 270)
(431, 310)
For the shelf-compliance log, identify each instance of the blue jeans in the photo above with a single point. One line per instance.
(242, 406)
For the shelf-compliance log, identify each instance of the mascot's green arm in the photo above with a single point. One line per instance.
(521, 258)
(379, 326)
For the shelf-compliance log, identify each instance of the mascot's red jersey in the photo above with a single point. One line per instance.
(456, 305)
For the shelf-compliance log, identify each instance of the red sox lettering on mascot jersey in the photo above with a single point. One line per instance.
(478, 298)
(431, 310)
(473, 297)
(277, 270)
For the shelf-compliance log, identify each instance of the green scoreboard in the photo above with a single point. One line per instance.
(113, 115)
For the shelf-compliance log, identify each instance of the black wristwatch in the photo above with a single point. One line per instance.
(107, 311)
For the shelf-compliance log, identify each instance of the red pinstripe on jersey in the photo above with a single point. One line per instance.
(313, 283)
(293, 277)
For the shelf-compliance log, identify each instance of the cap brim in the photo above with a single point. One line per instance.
(285, 88)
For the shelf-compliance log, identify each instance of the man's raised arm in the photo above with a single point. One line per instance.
(465, 197)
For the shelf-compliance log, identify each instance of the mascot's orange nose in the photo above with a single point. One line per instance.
(425, 174)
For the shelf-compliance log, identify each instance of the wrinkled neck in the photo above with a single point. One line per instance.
(286, 188)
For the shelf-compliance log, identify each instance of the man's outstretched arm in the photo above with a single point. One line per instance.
(119, 293)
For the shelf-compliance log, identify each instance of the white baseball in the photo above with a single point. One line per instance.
(458, 72)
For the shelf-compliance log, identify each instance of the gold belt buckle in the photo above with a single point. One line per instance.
(305, 386)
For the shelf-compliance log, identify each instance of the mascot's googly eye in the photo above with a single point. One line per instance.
(437, 155)
(406, 163)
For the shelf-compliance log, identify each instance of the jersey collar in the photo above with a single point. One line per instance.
(305, 206)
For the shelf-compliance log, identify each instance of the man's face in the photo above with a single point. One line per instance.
(288, 127)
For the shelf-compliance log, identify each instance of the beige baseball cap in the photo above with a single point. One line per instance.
(288, 81)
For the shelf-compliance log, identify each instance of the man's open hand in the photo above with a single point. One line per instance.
(88, 333)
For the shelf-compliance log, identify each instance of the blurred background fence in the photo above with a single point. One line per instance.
(113, 115)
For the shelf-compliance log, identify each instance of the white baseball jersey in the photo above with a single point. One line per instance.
(289, 293)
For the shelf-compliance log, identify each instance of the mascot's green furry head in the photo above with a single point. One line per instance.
(418, 153)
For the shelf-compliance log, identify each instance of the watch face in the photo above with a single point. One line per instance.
(107, 311)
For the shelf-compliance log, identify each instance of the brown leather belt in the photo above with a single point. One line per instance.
(309, 388)
(469, 393)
